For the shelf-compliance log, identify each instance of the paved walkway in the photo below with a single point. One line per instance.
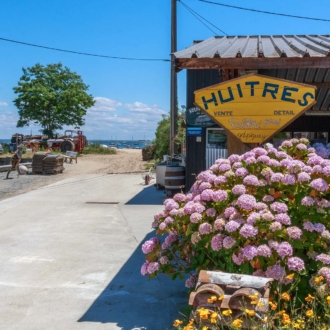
(69, 264)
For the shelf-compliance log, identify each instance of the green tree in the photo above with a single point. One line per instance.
(162, 140)
(51, 96)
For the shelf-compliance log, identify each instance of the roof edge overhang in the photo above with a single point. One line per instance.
(256, 63)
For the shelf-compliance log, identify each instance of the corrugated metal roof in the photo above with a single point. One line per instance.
(301, 58)
(259, 46)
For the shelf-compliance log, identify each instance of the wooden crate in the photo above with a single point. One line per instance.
(236, 289)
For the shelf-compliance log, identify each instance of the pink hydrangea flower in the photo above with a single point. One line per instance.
(247, 202)
(228, 242)
(241, 172)
(195, 238)
(279, 207)
(153, 267)
(248, 231)
(219, 180)
(163, 260)
(207, 195)
(144, 268)
(231, 226)
(283, 218)
(294, 232)
(319, 185)
(219, 195)
(275, 226)
(276, 272)
(264, 251)
(296, 264)
(195, 217)
(239, 189)
(307, 201)
(216, 242)
(324, 258)
(205, 228)
(191, 281)
(289, 179)
(284, 249)
(277, 177)
(303, 177)
(251, 180)
(219, 224)
(249, 252)
(238, 259)
(267, 198)
(211, 212)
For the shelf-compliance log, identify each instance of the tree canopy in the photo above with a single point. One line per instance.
(162, 140)
(51, 96)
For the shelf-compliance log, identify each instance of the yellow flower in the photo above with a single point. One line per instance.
(265, 319)
(281, 312)
(214, 315)
(237, 323)
(318, 279)
(254, 296)
(203, 313)
(328, 300)
(309, 298)
(177, 323)
(310, 313)
(221, 297)
(285, 296)
(290, 277)
(286, 318)
(260, 304)
(227, 312)
(212, 300)
(188, 327)
(249, 312)
(273, 306)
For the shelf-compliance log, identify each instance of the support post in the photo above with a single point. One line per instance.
(173, 83)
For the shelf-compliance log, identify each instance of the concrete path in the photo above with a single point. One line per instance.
(69, 264)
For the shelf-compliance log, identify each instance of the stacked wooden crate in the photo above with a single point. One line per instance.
(37, 162)
(47, 163)
(53, 164)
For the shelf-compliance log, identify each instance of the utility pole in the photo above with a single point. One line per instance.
(173, 89)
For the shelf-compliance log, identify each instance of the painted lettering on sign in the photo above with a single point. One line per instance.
(255, 103)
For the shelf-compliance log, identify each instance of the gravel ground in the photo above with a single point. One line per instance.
(125, 161)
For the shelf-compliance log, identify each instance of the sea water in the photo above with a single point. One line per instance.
(120, 144)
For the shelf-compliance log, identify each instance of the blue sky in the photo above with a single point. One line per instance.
(130, 96)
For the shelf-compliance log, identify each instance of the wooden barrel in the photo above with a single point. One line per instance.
(174, 180)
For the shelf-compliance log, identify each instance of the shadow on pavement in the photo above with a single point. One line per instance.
(148, 196)
(132, 302)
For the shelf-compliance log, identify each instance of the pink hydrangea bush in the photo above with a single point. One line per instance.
(265, 213)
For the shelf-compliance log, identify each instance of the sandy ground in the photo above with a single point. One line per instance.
(125, 161)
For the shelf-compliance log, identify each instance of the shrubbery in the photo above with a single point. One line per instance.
(265, 213)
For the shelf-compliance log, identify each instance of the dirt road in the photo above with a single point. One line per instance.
(125, 161)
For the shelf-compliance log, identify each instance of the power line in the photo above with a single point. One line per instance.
(192, 11)
(186, 7)
(266, 12)
(86, 54)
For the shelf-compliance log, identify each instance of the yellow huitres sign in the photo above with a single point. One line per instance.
(255, 107)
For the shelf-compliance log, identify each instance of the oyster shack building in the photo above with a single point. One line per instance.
(248, 90)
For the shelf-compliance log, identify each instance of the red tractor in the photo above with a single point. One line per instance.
(72, 140)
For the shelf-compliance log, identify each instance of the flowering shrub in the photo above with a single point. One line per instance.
(264, 213)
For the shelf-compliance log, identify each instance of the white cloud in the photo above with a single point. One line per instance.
(106, 119)
(103, 104)
(3, 104)
(145, 108)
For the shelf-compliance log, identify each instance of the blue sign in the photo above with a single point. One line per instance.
(194, 131)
